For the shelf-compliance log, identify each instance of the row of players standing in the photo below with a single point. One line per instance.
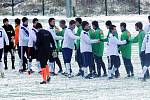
(90, 47)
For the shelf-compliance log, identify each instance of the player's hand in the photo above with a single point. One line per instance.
(127, 41)
(99, 40)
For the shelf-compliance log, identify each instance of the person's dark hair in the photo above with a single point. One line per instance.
(50, 19)
(149, 17)
(17, 21)
(123, 24)
(95, 23)
(38, 25)
(62, 22)
(112, 27)
(84, 23)
(24, 19)
(79, 20)
(5, 20)
(108, 23)
(35, 20)
(72, 22)
(139, 25)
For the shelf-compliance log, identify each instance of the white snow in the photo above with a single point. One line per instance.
(17, 86)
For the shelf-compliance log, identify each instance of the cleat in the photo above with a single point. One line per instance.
(60, 71)
(6, 68)
(40, 72)
(132, 75)
(29, 72)
(13, 68)
(48, 78)
(53, 74)
(110, 78)
(88, 77)
(43, 82)
(79, 74)
(20, 70)
(104, 75)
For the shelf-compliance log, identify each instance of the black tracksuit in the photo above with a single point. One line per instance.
(45, 46)
(10, 33)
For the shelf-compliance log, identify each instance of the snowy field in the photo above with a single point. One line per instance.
(17, 86)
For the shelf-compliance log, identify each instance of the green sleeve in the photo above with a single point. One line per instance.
(135, 39)
(61, 33)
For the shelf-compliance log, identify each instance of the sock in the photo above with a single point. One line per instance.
(38, 66)
(47, 71)
(29, 65)
(144, 70)
(21, 64)
(1, 70)
(68, 68)
(109, 73)
(44, 74)
(52, 67)
(113, 70)
(85, 71)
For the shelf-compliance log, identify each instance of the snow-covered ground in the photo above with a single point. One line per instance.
(17, 86)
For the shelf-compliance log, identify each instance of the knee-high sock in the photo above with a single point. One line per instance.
(52, 66)
(47, 70)
(29, 65)
(113, 70)
(38, 66)
(109, 73)
(1, 70)
(68, 67)
(85, 71)
(12, 58)
(44, 74)
(21, 64)
(144, 70)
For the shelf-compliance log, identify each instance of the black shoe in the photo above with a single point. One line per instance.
(48, 78)
(60, 71)
(97, 76)
(21, 71)
(13, 67)
(24, 70)
(128, 75)
(63, 73)
(132, 75)
(6, 68)
(69, 76)
(117, 75)
(31, 71)
(110, 78)
(94, 75)
(53, 74)
(43, 82)
(88, 77)
(104, 75)
(40, 72)
(79, 74)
